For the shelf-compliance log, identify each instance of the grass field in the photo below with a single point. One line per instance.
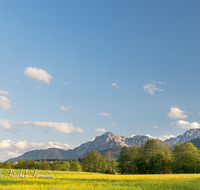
(81, 180)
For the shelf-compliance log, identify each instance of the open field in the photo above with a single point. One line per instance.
(81, 180)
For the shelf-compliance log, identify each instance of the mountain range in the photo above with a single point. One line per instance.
(187, 136)
(103, 143)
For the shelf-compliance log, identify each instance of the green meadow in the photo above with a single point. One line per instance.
(82, 180)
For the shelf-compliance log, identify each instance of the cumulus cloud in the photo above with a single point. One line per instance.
(176, 113)
(100, 130)
(185, 125)
(4, 92)
(164, 82)
(5, 103)
(13, 154)
(17, 82)
(164, 137)
(106, 114)
(18, 148)
(61, 127)
(6, 144)
(5, 123)
(150, 136)
(114, 84)
(65, 83)
(132, 136)
(21, 145)
(24, 145)
(155, 127)
(91, 140)
(113, 124)
(37, 74)
(150, 88)
(63, 108)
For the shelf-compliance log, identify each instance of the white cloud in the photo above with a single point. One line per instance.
(155, 127)
(91, 140)
(114, 84)
(38, 87)
(132, 136)
(106, 114)
(100, 130)
(14, 154)
(6, 144)
(176, 113)
(65, 83)
(18, 148)
(78, 107)
(185, 125)
(63, 108)
(24, 145)
(21, 145)
(113, 124)
(150, 88)
(58, 145)
(5, 103)
(5, 123)
(61, 127)
(150, 136)
(164, 137)
(37, 74)
(199, 112)
(17, 82)
(4, 92)
(164, 82)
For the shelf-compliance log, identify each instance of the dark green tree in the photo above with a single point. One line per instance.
(30, 163)
(111, 162)
(134, 152)
(124, 161)
(185, 158)
(8, 165)
(45, 165)
(94, 162)
(64, 166)
(74, 166)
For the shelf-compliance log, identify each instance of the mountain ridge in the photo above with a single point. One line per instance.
(187, 136)
(102, 142)
(106, 141)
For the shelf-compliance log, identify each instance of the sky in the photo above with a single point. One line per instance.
(73, 70)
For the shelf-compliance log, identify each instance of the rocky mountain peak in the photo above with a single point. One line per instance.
(106, 141)
(110, 140)
(187, 136)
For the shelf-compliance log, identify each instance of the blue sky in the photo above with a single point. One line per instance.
(71, 70)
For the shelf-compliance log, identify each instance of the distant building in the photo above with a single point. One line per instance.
(14, 162)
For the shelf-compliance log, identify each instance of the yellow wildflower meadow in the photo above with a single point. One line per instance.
(82, 180)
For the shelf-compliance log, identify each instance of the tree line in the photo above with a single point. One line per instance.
(91, 162)
(157, 157)
(71, 165)
(153, 157)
